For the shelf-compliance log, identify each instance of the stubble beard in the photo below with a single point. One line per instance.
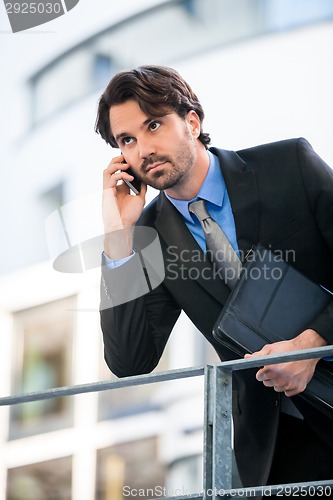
(175, 173)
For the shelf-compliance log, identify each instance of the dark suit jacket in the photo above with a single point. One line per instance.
(282, 196)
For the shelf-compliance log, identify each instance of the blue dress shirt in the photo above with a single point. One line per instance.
(214, 192)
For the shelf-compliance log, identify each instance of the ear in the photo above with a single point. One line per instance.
(193, 122)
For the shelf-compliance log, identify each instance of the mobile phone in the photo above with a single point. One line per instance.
(135, 184)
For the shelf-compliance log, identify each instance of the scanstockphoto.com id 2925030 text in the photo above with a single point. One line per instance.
(293, 491)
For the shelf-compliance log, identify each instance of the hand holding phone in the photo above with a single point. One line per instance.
(135, 184)
(120, 211)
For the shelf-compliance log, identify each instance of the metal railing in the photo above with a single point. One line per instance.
(217, 448)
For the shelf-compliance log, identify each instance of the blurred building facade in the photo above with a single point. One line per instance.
(262, 70)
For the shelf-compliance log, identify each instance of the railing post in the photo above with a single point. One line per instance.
(217, 432)
(208, 433)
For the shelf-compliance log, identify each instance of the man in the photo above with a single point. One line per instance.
(278, 194)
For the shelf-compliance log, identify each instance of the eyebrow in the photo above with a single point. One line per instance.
(144, 124)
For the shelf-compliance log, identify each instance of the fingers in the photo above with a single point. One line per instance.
(280, 386)
(114, 172)
(120, 208)
(265, 351)
(291, 377)
(281, 380)
(292, 392)
(273, 376)
(288, 390)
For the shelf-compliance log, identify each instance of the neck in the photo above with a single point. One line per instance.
(190, 185)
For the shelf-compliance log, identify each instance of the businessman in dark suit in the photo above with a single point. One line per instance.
(278, 194)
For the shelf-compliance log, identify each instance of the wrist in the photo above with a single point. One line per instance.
(310, 338)
(118, 244)
(307, 340)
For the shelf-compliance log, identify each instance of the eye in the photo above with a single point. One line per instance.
(127, 140)
(154, 126)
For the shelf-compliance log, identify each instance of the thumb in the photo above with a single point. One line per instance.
(263, 352)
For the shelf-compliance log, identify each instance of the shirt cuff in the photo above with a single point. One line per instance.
(113, 264)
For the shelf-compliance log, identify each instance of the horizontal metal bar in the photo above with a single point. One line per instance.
(272, 359)
(150, 378)
(147, 378)
(295, 489)
(194, 496)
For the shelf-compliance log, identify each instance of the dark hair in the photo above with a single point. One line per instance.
(158, 90)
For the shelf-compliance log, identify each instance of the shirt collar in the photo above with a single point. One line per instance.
(212, 190)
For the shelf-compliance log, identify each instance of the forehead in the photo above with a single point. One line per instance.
(125, 114)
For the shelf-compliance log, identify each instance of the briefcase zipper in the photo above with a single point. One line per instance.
(249, 252)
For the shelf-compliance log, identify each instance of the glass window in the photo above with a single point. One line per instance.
(282, 14)
(42, 360)
(49, 480)
(190, 6)
(130, 467)
(146, 37)
(62, 83)
(129, 400)
(102, 69)
(186, 474)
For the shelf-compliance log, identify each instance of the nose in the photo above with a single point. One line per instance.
(146, 147)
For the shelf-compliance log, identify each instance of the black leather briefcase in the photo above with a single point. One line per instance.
(272, 301)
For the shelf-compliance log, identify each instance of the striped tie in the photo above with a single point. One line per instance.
(223, 255)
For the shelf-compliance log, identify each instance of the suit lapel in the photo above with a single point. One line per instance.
(244, 198)
(243, 193)
(181, 245)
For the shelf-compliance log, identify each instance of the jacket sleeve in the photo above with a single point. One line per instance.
(135, 327)
(318, 181)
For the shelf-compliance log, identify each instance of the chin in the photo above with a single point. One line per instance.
(162, 185)
(163, 181)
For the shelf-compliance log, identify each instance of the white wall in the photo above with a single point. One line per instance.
(273, 87)
(269, 88)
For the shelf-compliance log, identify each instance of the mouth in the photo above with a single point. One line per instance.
(155, 166)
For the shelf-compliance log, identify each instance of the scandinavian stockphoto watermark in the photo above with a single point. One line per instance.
(24, 15)
(193, 264)
(75, 237)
